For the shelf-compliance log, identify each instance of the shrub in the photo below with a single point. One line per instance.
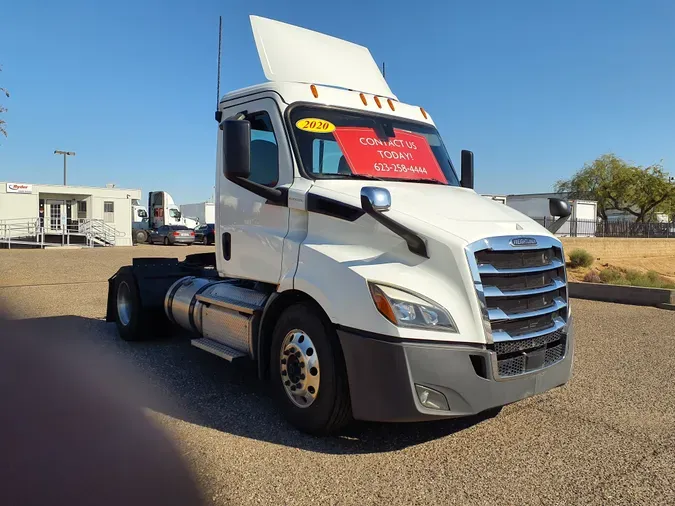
(592, 277)
(611, 276)
(581, 258)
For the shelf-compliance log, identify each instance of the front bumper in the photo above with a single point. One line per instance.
(383, 374)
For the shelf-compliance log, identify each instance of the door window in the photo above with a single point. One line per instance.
(109, 212)
(264, 150)
(55, 216)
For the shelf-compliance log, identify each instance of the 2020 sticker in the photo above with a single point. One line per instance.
(315, 125)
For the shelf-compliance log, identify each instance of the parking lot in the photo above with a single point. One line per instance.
(606, 438)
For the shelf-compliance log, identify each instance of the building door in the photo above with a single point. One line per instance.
(55, 216)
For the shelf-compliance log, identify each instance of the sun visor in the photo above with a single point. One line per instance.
(294, 54)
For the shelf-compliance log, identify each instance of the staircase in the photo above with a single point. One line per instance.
(98, 232)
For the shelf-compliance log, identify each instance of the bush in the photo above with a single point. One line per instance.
(581, 258)
(592, 277)
(632, 277)
(611, 276)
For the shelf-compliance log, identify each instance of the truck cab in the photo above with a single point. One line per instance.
(353, 262)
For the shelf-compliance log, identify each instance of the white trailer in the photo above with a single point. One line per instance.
(583, 218)
(203, 212)
(363, 275)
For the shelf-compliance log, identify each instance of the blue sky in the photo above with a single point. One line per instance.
(534, 88)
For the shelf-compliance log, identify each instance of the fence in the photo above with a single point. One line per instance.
(592, 228)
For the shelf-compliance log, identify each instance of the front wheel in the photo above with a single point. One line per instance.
(141, 236)
(307, 369)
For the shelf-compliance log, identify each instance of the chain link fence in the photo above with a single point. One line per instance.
(592, 228)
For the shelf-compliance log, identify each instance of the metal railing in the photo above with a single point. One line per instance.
(599, 228)
(32, 232)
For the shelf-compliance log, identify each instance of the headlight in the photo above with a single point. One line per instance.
(405, 309)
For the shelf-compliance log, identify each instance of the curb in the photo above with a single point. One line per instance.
(634, 295)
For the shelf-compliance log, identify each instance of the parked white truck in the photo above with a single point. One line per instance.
(163, 211)
(365, 278)
(203, 212)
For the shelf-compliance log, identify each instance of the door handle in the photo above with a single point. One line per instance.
(227, 246)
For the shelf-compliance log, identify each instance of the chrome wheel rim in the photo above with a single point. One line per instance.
(299, 368)
(124, 303)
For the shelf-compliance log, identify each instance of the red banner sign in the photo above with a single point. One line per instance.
(404, 156)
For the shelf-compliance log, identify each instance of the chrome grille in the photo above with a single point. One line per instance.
(523, 294)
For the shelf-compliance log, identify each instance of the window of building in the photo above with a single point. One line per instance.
(109, 212)
(264, 150)
(82, 209)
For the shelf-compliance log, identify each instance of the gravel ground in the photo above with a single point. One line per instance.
(606, 438)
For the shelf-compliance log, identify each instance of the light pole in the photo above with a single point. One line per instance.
(65, 154)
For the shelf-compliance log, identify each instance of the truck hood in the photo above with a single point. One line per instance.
(458, 211)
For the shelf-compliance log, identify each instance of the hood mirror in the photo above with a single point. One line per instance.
(378, 199)
(559, 208)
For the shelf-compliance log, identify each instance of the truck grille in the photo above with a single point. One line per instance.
(523, 293)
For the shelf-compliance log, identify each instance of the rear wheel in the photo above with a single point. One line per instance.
(132, 323)
(308, 375)
(166, 241)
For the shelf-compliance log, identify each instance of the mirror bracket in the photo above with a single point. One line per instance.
(375, 201)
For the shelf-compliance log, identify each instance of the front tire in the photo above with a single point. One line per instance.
(307, 371)
(141, 236)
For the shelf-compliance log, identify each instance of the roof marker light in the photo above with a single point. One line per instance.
(363, 99)
(424, 113)
(315, 92)
(377, 101)
(391, 104)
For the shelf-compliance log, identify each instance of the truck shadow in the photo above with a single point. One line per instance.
(178, 380)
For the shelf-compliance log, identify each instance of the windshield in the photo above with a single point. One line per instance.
(174, 213)
(343, 144)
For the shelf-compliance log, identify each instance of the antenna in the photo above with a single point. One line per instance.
(220, 40)
(384, 71)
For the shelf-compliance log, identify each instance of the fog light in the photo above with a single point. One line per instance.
(431, 398)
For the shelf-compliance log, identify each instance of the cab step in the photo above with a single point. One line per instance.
(218, 348)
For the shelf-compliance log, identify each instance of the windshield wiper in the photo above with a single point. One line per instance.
(352, 176)
(417, 180)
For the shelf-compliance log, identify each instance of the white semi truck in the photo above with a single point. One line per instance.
(363, 275)
(163, 211)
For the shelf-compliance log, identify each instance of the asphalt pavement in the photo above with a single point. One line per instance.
(608, 437)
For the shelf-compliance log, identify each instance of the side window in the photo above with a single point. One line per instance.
(264, 150)
(327, 158)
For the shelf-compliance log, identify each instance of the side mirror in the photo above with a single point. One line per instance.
(467, 169)
(236, 148)
(376, 199)
(559, 208)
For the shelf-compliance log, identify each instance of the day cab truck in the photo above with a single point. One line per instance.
(365, 277)
(163, 211)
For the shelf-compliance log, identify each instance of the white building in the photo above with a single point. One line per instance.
(66, 214)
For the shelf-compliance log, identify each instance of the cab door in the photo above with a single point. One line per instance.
(250, 229)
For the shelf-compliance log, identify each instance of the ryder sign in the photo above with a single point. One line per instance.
(19, 188)
(404, 156)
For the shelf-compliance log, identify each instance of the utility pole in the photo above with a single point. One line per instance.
(65, 154)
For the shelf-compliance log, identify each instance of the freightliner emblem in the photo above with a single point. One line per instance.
(523, 241)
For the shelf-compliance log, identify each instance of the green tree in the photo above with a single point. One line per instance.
(615, 184)
(3, 131)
